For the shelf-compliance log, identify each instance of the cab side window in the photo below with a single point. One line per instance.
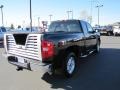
(90, 29)
(84, 26)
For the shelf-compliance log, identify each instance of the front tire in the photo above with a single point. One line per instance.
(97, 47)
(69, 64)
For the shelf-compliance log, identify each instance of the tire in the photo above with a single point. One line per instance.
(115, 34)
(69, 64)
(97, 47)
(109, 34)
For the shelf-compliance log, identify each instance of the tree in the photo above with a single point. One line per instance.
(12, 26)
(89, 19)
(19, 26)
(84, 16)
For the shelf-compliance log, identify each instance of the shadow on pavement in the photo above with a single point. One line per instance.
(96, 72)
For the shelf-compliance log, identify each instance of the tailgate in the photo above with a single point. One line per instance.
(31, 49)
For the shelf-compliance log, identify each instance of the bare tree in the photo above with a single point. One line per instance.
(84, 16)
(12, 26)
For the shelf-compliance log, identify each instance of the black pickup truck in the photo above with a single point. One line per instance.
(59, 48)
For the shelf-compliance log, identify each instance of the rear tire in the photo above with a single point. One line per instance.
(108, 33)
(69, 64)
(115, 34)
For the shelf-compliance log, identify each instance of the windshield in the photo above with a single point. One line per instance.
(65, 26)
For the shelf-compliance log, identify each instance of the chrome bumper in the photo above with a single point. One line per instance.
(29, 64)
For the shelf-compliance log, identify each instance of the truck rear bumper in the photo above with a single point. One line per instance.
(28, 64)
(13, 60)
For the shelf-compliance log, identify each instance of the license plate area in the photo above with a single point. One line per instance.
(21, 60)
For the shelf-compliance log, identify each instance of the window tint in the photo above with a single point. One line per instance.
(84, 26)
(90, 29)
(74, 26)
(65, 26)
(57, 27)
(60, 27)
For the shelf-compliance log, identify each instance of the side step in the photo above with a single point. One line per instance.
(83, 56)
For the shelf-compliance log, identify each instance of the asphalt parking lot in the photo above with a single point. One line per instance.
(96, 72)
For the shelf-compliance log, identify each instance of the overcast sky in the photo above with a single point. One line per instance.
(17, 11)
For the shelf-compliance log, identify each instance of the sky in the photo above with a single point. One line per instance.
(17, 11)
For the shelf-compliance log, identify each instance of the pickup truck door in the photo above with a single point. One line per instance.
(90, 36)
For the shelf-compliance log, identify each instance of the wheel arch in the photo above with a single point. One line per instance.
(75, 49)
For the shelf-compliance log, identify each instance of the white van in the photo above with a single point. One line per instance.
(116, 30)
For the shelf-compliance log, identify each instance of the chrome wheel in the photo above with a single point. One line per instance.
(71, 65)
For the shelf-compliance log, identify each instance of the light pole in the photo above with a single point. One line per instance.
(99, 6)
(91, 9)
(23, 23)
(68, 12)
(30, 16)
(50, 17)
(72, 14)
(2, 14)
(38, 22)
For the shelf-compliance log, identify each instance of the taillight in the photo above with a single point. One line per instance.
(47, 48)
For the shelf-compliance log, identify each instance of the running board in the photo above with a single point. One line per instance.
(83, 56)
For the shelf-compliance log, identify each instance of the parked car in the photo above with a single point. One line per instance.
(59, 48)
(107, 30)
(116, 30)
(2, 31)
(97, 28)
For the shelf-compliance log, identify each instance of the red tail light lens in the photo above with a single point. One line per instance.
(47, 49)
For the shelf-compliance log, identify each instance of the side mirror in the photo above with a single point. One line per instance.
(96, 30)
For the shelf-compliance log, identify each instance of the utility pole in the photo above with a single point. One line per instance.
(30, 16)
(23, 24)
(91, 10)
(99, 6)
(72, 14)
(50, 17)
(38, 22)
(2, 14)
(68, 12)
